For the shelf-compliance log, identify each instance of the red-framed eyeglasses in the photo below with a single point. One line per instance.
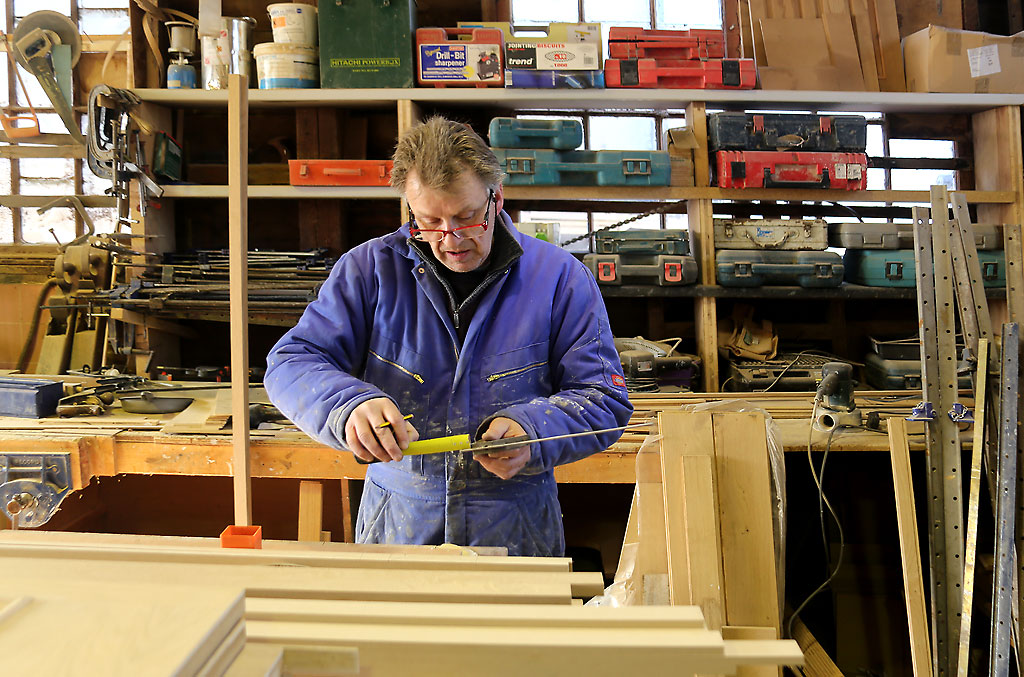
(462, 232)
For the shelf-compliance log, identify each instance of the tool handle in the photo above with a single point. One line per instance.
(432, 446)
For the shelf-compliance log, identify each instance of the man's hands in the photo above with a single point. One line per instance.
(505, 463)
(368, 440)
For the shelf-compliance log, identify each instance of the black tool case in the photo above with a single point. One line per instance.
(987, 237)
(662, 270)
(892, 374)
(787, 131)
(757, 268)
(792, 372)
(643, 241)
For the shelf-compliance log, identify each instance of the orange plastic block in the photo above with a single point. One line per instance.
(242, 537)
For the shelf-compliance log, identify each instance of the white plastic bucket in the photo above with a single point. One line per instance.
(285, 66)
(293, 23)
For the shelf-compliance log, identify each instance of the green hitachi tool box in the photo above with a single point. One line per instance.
(367, 43)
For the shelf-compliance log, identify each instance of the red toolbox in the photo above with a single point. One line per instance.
(680, 73)
(786, 169)
(339, 172)
(471, 57)
(630, 42)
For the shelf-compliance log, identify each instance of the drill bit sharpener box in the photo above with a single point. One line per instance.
(367, 43)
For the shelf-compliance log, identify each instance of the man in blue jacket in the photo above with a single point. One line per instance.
(470, 327)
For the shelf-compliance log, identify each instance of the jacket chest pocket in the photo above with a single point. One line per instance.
(403, 374)
(517, 375)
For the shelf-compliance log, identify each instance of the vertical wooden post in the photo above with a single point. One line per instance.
(906, 522)
(238, 247)
(311, 510)
(408, 114)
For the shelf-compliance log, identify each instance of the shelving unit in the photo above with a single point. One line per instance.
(998, 193)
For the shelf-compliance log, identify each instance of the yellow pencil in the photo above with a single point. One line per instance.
(385, 424)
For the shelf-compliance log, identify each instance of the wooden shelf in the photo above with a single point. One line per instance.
(590, 194)
(846, 291)
(596, 99)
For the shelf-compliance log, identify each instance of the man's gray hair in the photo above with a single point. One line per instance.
(439, 150)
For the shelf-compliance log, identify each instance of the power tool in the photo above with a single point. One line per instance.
(834, 398)
(654, 366)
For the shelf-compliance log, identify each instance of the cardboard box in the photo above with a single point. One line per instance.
(567, 46)
(682, 143)
(949, 60)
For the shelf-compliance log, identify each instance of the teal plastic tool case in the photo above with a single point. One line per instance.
(643, 241)
(901, 236)
(541, 167)
(896, 268)
(528, 133)
(757, 268)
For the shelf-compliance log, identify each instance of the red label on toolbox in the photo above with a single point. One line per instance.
(339, 172)
(681, 73)
(784, 169)
(628, 42)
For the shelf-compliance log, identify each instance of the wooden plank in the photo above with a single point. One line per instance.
(745, 506)
(842, 43)
(238, 239)
(369, 584)
(997, 138)
(746, 33)
(438, 614)
(150, 322)
(865, 44)
(652, 552)
(817, 661)
(311, 510)
(225, 654)
(258, 660)
(906, 522)
(750, 632)
(239, 557)
(795, 43)
(758, 11)
(498, 652)
(703, 539)
(891, 76)
(677, 432)
(348, 533)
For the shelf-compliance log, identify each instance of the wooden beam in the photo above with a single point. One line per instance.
(311, 510)
(238, 246)
(150, 322)
(703, 538)
(746, 508)
(678, 431)
(906, 522)
(817, 662)
(650, 568)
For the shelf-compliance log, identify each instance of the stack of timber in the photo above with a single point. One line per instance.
(188, 608)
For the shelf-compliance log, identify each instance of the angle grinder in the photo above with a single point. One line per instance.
(834, 398)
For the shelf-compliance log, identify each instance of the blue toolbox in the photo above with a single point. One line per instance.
(530, 133)
(901, 236)
(787, 131)
(663, 270)
(760, 267)
(643, 241)
(895, 267)
(554, 79)
(538, 167)
(29, 397)
(892, 374)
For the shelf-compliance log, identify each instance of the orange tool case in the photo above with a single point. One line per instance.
(680, 73)
(339, 172)
(629, 42)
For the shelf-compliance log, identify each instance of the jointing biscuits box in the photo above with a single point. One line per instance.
(566, 46)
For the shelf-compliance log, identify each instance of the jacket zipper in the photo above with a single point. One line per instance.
(513, 372)
(398, 367)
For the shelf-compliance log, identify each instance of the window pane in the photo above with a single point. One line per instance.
(103, 219)
(651, 221)
(875, 145)
(544, 11)
(922, 179)
(617, 11)
(6, 226)
(676, 222)
(35, 227)
(103, 4)
(52, 187)
(675, 14)
(876, 179)
(5, 176)
(25, 7)
(92, 184)
(46, 168)
(103, 21)
(920, 148)
(570, 225)
(622, 133)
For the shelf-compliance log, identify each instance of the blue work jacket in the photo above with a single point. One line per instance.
(538, 349)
